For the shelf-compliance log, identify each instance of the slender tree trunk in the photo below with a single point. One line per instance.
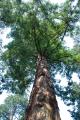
(12, 112)
(11, 115)
(42, 104)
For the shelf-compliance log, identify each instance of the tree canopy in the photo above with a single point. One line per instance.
(39, 27)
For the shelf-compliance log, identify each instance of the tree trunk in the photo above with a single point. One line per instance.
(12, 112)
(42, 104)
(11, 115)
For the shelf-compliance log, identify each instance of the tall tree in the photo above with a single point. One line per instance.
(38, 29)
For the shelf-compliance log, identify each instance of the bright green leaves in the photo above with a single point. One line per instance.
(20, 64)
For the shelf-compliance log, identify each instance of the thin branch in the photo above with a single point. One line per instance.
(36, 41)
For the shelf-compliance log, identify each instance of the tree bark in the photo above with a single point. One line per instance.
(43, 104)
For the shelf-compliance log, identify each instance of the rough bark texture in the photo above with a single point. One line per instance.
(42, 104)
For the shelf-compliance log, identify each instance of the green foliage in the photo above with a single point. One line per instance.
(38, 27)
(71, 96)
(14, 105)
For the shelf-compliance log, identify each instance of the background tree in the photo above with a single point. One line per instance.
(71, 94)
(71, 97)
(75, 99)
(13, 108)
